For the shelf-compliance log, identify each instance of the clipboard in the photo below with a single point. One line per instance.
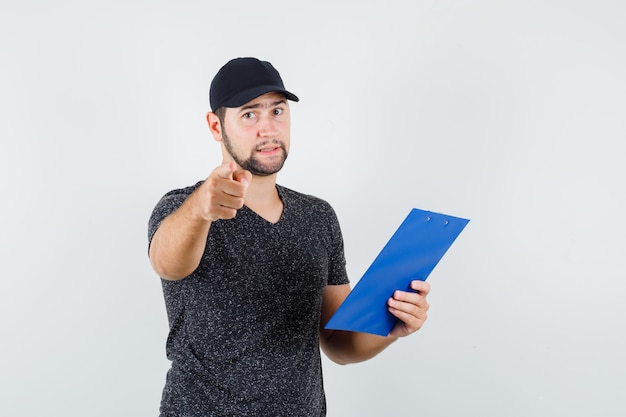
(412, 253)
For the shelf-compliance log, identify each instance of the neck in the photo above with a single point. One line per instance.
(262, 198)
(262, 190)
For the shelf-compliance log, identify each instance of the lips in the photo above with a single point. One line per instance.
(269, 147)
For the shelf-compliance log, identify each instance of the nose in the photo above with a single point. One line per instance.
(267, 127)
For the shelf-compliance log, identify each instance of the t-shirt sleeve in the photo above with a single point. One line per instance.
(169, 203)
(337, 274)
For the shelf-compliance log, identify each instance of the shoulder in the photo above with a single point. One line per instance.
(308, 208)
(169, 203)
(298, 199)
(174, 198)
(181, 192)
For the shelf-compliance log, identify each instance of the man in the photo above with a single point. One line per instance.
(252, 271)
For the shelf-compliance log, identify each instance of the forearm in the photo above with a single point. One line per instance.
(344, 347)
(179, 243)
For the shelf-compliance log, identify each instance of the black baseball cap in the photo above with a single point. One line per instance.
(243, 79)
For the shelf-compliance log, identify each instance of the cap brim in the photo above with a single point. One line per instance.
(244, 97)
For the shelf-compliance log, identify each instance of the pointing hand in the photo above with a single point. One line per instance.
(223, 192)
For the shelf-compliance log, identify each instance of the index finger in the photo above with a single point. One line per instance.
(226, 170)
(242, 176)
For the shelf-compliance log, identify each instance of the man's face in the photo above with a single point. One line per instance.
(256, 135)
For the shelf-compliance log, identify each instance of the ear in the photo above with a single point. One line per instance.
(214, 126)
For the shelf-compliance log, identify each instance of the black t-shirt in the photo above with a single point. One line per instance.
(244, 326)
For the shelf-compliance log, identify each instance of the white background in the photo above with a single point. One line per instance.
(511, 114)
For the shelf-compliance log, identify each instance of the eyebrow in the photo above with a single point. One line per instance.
(259, 105)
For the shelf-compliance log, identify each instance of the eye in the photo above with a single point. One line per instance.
(249, 115)
(278, 111)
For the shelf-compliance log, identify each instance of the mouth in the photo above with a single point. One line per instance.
(269, 148)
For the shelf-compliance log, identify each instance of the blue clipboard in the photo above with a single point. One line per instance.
(412, 253)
